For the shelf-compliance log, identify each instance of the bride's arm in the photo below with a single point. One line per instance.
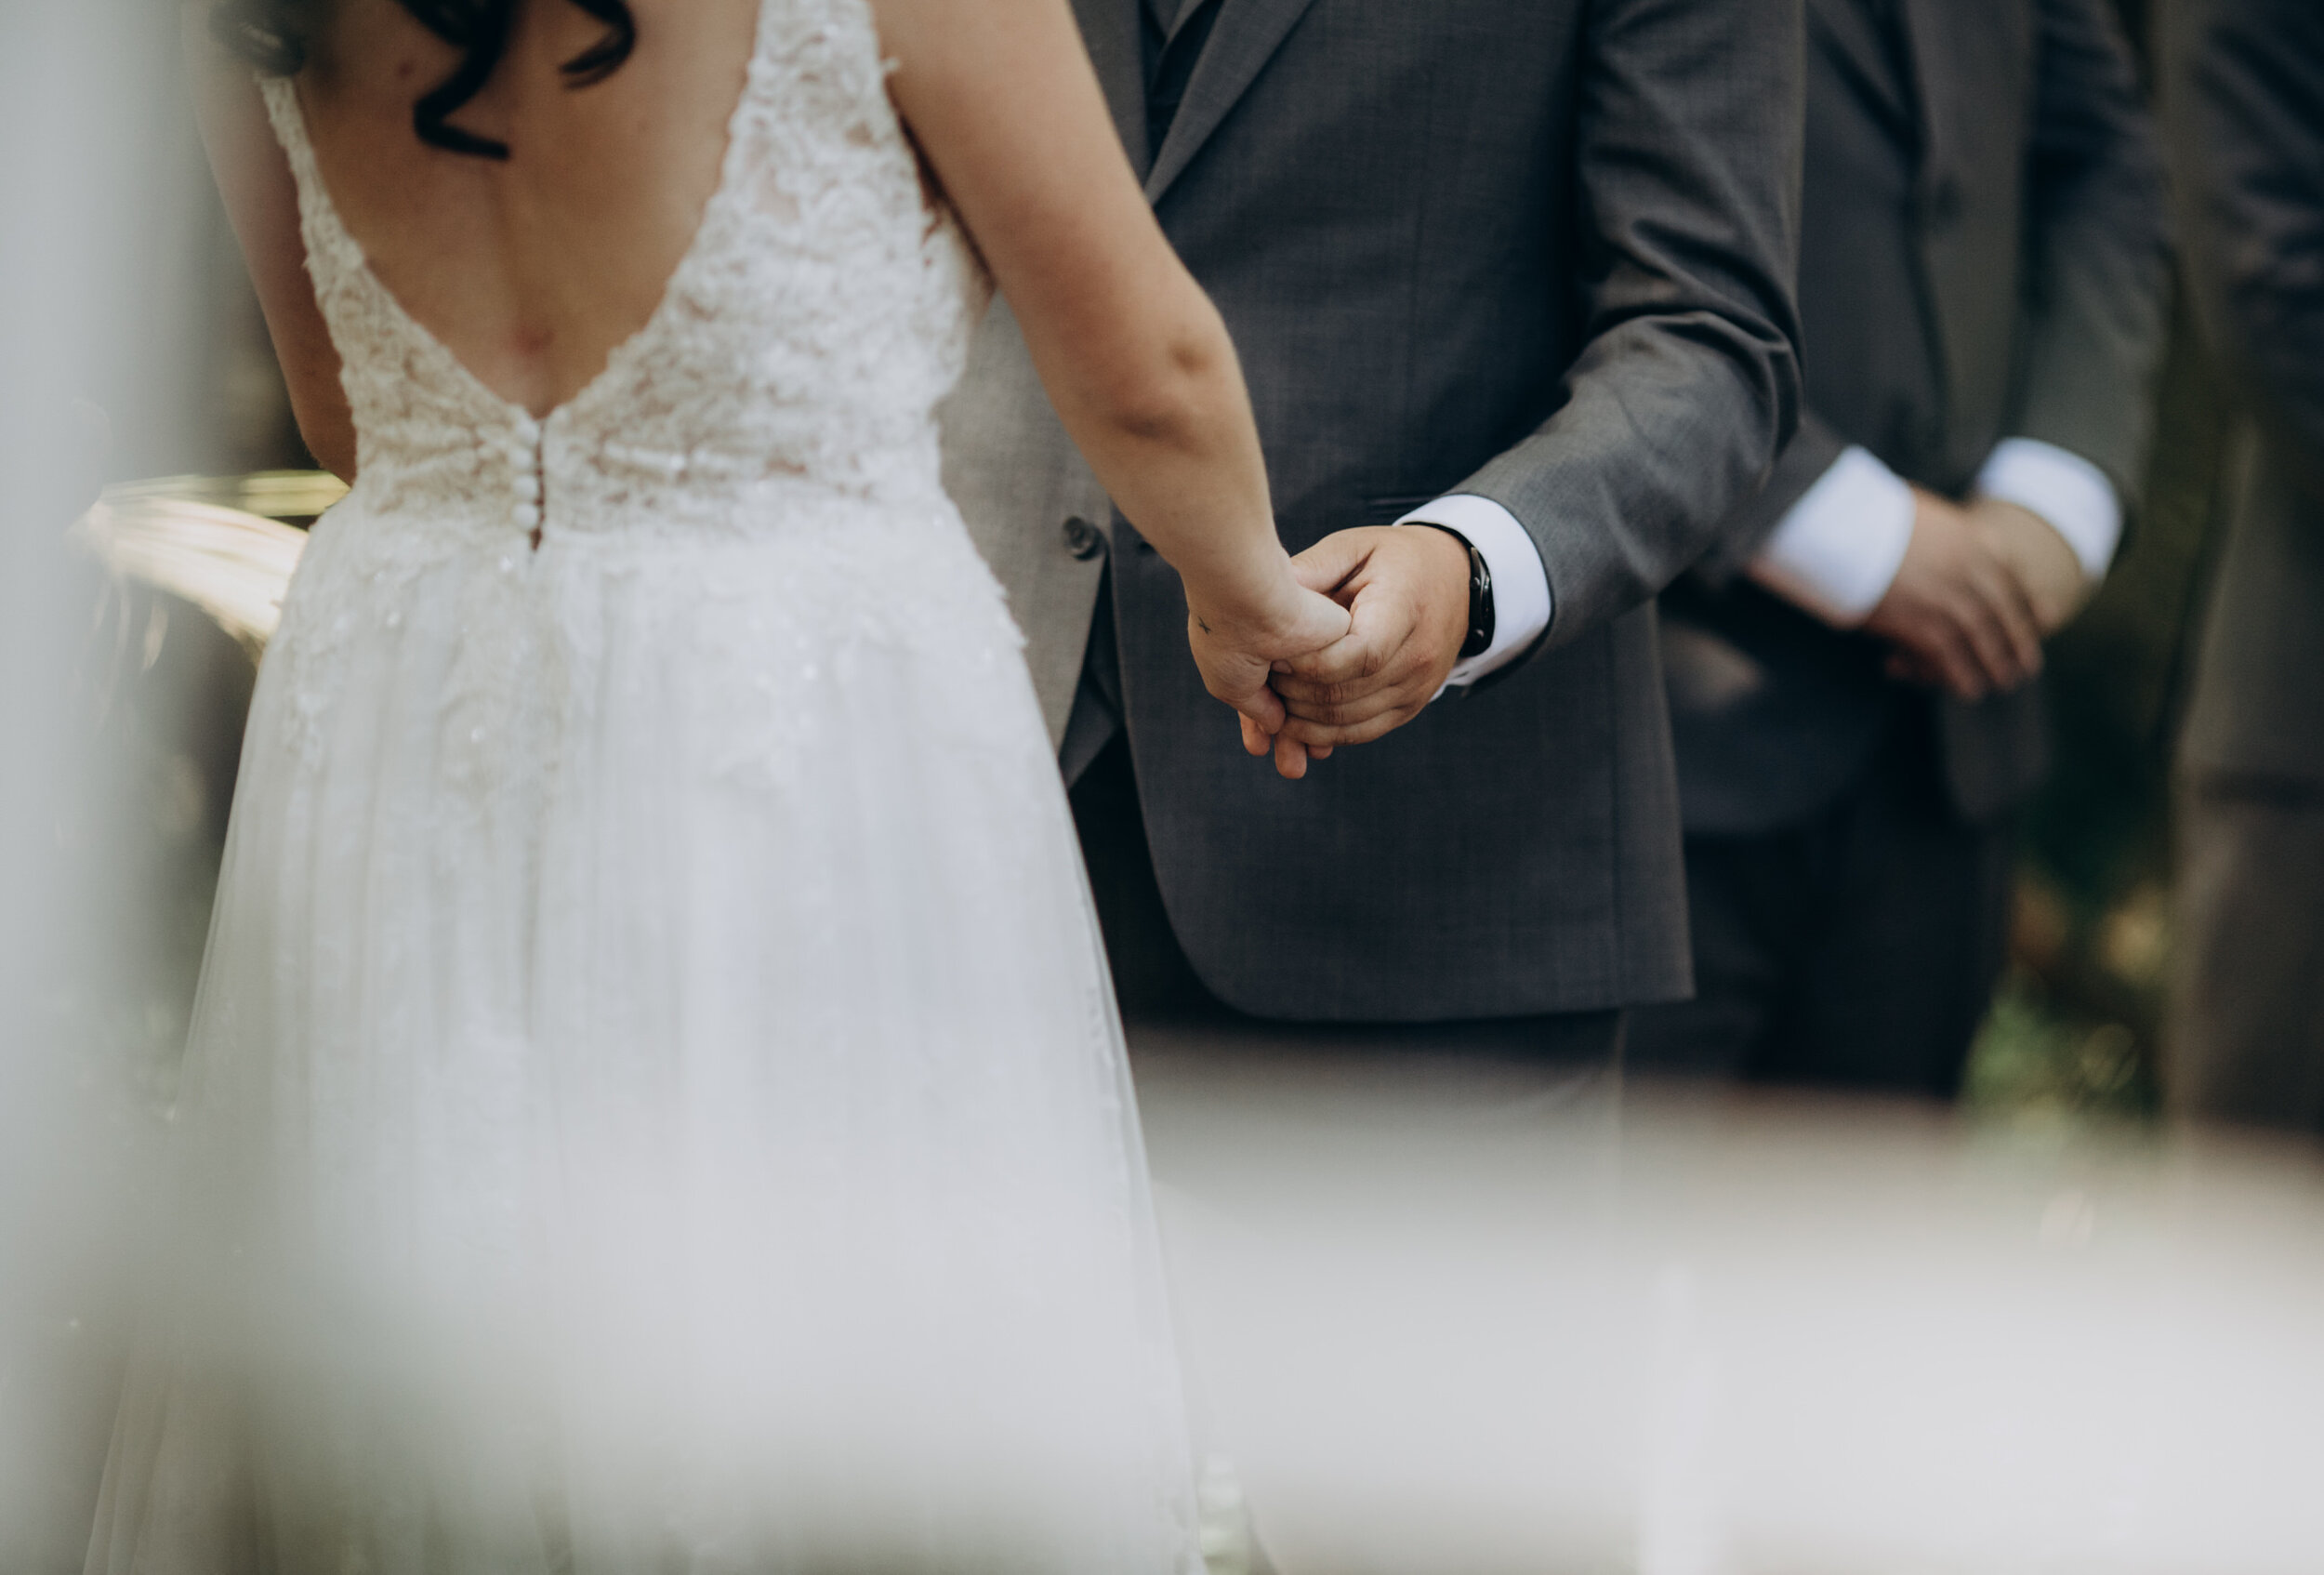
(262, 201)
(1003, 101)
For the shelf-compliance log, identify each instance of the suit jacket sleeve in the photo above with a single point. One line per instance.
(2098, 273)
(1687, 384)
(1811, 451)
(2241, 85)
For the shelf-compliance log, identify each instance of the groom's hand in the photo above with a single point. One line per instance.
(1407, 588)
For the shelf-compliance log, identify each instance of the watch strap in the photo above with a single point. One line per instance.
(1479, 637)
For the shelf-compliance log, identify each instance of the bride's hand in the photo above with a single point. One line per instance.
(1237, 643)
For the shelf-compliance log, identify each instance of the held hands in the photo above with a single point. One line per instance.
(1368, 638)
(1979, 588)
(1406, 593)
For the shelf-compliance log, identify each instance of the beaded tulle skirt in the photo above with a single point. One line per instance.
(656, 1100)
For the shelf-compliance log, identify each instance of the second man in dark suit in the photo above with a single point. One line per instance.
(1982, 283)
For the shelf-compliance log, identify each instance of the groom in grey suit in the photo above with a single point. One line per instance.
(1515, 274)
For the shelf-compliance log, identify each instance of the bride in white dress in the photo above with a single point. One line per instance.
(656, 1101)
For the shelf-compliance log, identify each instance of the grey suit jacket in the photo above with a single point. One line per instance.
(2243, 96)
(1984, 256)
(1538, 250)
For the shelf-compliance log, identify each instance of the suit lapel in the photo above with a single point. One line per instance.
(1956, 41)
(1854, 39)
(1245, 37)
(1934, 70)
(1109, 28)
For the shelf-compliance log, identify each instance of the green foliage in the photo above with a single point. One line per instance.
(2077, 1023)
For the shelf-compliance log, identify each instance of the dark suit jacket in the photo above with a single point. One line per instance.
(1983, 257)
(1536, 249)
(2243, 94)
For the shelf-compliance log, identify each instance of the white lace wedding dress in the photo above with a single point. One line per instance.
(655, 1103)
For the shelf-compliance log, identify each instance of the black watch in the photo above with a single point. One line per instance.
(1480, 594)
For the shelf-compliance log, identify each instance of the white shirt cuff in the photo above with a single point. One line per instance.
(1837, 550)
(2071, 495)
(1521, 583)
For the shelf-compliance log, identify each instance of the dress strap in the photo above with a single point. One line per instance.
(319, 216)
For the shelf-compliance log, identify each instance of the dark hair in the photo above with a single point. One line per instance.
(275, 34)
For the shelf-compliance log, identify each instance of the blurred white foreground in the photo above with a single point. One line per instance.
(1441, 1324)
(1440, 1331)
(79, 316)
(1451, 1320)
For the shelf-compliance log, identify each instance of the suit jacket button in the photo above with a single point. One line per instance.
(1083, 540)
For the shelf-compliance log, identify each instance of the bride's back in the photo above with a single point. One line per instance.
(530, 269)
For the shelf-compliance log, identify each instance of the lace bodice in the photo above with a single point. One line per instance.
(816, 320)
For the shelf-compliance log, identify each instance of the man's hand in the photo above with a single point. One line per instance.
(1956, 612)
(1407, 587)
(2046, 567)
